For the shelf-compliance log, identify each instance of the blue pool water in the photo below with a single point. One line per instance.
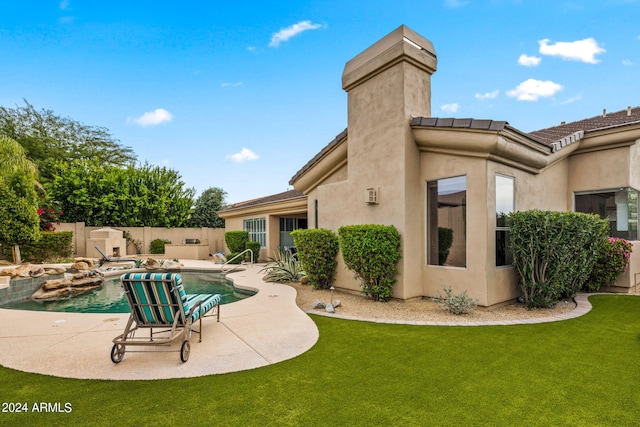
(110, 298)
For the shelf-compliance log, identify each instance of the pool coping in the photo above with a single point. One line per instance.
(264, 329)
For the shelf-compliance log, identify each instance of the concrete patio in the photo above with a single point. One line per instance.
(261, 330)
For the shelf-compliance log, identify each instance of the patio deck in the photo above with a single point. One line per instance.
(264, 329)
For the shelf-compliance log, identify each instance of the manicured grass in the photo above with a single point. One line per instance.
(580, 372)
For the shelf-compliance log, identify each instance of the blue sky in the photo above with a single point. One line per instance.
(240, 95)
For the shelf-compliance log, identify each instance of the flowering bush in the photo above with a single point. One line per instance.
(49, 213)
(612, 261)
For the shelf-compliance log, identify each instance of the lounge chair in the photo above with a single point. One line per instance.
(106, 258)
(158, 301)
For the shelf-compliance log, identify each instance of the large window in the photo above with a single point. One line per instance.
(505, 204)
(619, 207)
(257, 230)
(447, 222)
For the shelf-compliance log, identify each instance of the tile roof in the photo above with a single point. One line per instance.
(458, 123)
(287, 195)
(342, 135)
(603, 121)
(554, 137)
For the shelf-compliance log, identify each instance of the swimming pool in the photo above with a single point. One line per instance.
(110, 298)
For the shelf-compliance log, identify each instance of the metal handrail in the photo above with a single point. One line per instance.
(236, 265)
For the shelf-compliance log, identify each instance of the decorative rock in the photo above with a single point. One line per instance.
(172, 265)
(80, 266)
(53, 270)
(318, 304)
(89, 261)
(329, 308)
(51, 285)
(23, 270)
(152, 264)
(337, 303)
(304, 280)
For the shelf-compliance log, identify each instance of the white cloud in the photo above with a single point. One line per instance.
(627, 62)
(244, 155)
(227, 84)
(152, 118)
(529, 61)
(489, 95)
(580, 50)
(532, 90)
(450, 108)
(289, 32)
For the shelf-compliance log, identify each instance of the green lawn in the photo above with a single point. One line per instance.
(580, 372)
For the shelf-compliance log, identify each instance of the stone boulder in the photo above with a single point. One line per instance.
(172, 265)
(68, 287)
(152, 264)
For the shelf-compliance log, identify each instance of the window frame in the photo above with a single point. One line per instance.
(630, 213)
(429, 215)
(257, 229)
(503, 229)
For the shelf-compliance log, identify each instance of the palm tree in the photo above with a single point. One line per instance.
(13, 158)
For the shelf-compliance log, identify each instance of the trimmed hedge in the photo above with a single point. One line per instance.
(236, 240)
(317, 250)
(157, 246)
(255, 248)
(372, 251)
(50, 247)
(554, 252)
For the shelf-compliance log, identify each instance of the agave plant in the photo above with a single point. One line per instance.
(284, 267)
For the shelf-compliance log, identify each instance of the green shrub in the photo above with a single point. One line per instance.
(255, 249)
(157, 246)
(554, 252)
(283, 268)
(372, 252)
(612, 261)
(50, 247)
(239, 260)
(456, 303)
(236, 240)
(445, 240)
(317, 250)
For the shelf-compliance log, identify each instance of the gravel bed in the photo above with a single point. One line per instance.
(419, 309)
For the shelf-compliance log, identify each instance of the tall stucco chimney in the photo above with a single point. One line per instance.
(387, 84)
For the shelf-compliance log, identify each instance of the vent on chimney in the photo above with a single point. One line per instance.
(604, 112)
(629, 111)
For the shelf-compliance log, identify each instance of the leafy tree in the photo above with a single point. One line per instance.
(19, 222)
(49, 139)
(205, 213)
(126, 197)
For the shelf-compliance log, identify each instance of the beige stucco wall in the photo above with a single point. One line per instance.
(600, 170)
(213, 237)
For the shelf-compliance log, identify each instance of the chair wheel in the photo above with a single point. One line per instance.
(184, 351)
(117, 353)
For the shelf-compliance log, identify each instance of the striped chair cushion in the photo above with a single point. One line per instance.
(208, 302)
(155, 301)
